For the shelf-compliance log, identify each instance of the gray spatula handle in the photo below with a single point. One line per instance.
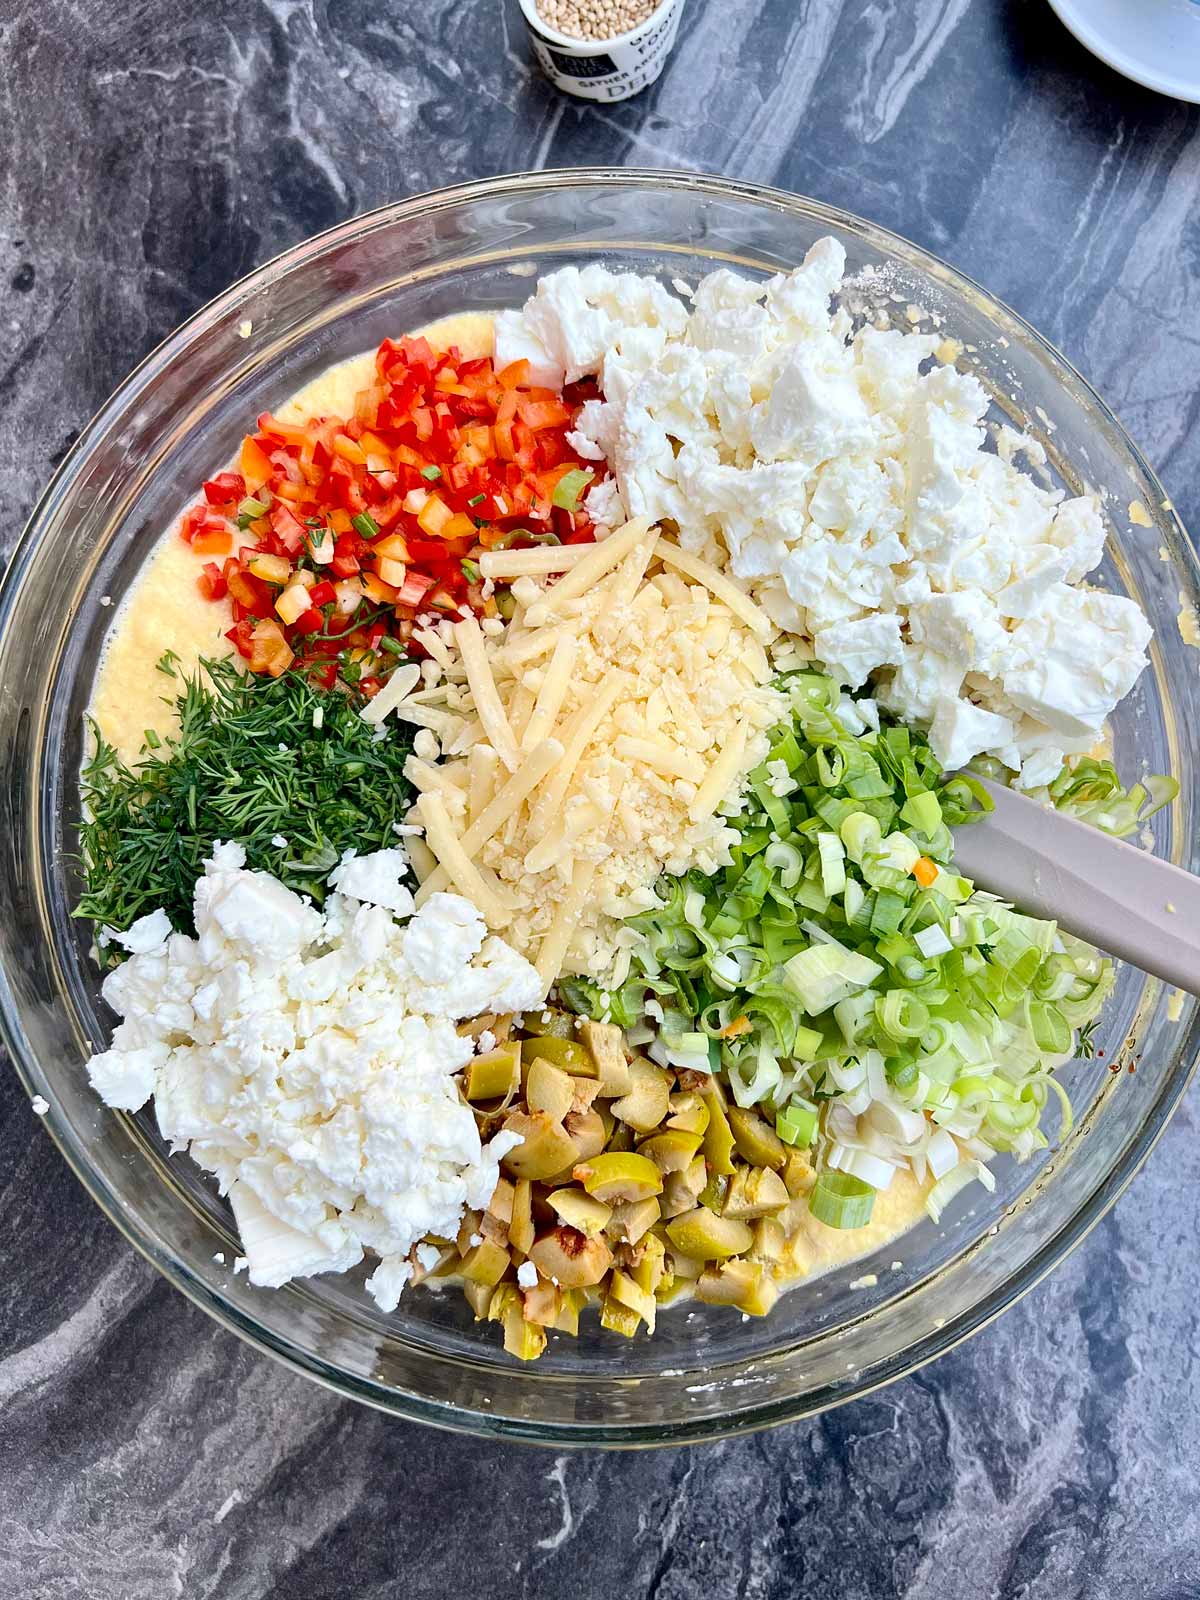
(1101, 889)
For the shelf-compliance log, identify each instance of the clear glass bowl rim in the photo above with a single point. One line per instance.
(403, 1403)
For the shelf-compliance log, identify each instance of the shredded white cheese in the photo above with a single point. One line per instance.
(597, 739)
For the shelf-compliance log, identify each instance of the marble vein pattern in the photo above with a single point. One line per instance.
(153, 152)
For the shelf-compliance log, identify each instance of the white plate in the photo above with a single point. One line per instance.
(1154, 42)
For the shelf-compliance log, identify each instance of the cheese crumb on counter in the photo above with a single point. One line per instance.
(591, 747)
(842, 477)
(307, 1058)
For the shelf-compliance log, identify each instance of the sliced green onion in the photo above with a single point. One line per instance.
(797, 1123)
(923, 812)
(365, 524)
(470, 570)
(826, 973)
(569, 487)
(832, 853)
(249, 510)
(431, 473)
(957, 1179)
(841, 1201)
(476, 500)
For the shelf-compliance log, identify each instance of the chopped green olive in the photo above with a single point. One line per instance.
(671, 1150)
(610, 1177)
(579, 1210)
(571, 1259)
(520, 1227)
(707, 1237)
(745, 1284)
(494, 1074)
(648, 1101)
(546, 1147)
(486, 1262)
(548, 1089)
(632, 1219)
(605, 1044)
(754, 1192)
(756, 1140)
(588, 1133)
(718, 1136)
(565, 1053)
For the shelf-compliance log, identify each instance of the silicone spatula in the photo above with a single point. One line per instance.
(1116, 896)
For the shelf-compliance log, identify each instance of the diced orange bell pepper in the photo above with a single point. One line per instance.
(514, 376)
(349, 451)
(255, 464)
(434, 515)
(213, 541)
(393, 545)
(925, 871)
(377, 588)
(269, 650)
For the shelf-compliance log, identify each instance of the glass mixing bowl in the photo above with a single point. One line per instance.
(707, 1371)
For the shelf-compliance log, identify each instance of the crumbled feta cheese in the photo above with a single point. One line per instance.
(308, 1060)
(375, 879)
(842, 478)
(428, 1256)
(527, 1275)
(145, 934)
(39, 1105)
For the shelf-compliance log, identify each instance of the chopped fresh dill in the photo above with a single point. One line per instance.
(254, 757)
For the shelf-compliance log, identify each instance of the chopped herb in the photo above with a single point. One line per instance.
(254, 757)
(357, 622)
(431, 473)
(394, 645)
(365, 524)
(470, 570)
(152, 740)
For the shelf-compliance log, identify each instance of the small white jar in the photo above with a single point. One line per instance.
(604, 69)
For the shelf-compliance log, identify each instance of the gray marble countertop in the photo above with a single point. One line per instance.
(153, 152)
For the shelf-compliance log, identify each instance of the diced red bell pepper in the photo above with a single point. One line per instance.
(226, 486)
(348, 550)
(193, 520)
(322, 594)
(288, 529)
(211, 582)
(310, 621)
(241, 637)
(414, 588)
(321, 674)
(250, 592)
(280, 432)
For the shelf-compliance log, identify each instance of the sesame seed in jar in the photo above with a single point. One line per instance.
(595, 19)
